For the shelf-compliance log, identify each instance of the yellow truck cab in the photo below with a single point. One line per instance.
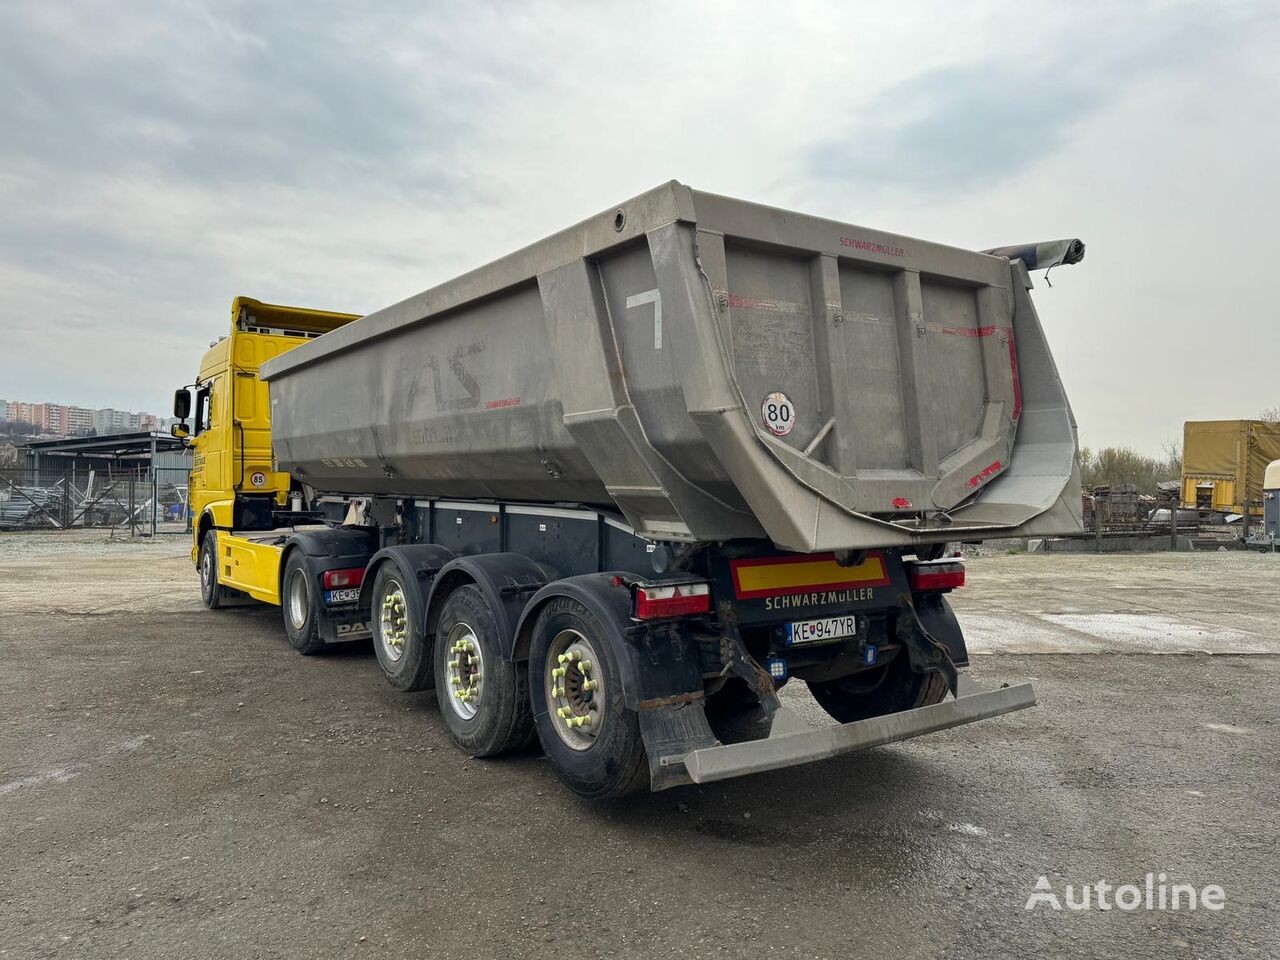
(241, 527)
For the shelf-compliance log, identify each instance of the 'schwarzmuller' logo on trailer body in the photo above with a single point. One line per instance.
(769, 586)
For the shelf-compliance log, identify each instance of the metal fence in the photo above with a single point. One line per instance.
(143, 501)
(1133, 517)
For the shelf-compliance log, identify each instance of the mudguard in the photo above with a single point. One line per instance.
(660, 661)
(506, 579)
(660, 664)
(420, 560)
(937, 617)
(332, 549)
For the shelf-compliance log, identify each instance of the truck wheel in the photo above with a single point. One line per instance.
(484, 699)
(399, 629)
(591, 738)
(300, 604)
(213, 595)
(874, 693)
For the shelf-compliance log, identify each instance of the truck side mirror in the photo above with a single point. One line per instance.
(182, 403)
(180, 431)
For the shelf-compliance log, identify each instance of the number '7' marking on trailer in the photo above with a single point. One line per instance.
(654, 297)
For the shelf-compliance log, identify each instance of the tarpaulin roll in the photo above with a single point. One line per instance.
(1050, 253)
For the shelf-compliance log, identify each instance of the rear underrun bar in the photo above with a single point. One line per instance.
(787, 746)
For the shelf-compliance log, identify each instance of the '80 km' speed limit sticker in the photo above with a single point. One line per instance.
(778, 414)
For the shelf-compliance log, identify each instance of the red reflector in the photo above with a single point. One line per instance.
(675, 600)
(334, 579)
(946, 576)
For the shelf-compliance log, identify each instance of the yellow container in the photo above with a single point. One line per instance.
(1223, 462)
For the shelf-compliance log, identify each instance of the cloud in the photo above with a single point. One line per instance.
(969, 125)
(238, 94)
(159, 160)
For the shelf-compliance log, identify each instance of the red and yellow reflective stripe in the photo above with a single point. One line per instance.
(779, 576)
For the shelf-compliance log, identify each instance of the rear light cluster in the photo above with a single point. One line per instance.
(336, 579)
(659, 601)
(934, 575)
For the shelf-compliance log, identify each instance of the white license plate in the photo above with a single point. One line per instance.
(820, 631)
(349, 595)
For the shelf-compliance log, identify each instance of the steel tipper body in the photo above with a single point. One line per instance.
(715, 370)
(616, 489)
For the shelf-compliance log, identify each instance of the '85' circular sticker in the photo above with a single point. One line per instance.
(778, 414)
(258, 479)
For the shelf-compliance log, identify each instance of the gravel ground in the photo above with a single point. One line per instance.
(178, 783)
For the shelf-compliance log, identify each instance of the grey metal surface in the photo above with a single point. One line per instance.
(629, 362)
(804, 746)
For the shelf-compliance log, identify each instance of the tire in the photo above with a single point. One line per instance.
(874, 693)
(604, 757)
(483, 698)
(300, 605)
(735, 696)
(213, 595)
(398, 623)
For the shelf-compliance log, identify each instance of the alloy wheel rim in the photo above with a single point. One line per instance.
(466, 670)
(393, 623)
(299, 599)
(575, 690)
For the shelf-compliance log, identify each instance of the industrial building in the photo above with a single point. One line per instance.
(137, 478)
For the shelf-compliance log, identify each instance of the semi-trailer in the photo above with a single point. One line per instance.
(625, 483)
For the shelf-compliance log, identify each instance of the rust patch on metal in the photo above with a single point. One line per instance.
(674, 700)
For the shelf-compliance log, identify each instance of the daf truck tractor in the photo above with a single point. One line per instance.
(630, 480)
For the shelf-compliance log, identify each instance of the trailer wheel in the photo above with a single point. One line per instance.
(213, 595)
(300, 604)
(483, 698)
(399, 629)
(591, 738)
(874, 693)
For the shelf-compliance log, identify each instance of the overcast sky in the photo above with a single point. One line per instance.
(158, 159)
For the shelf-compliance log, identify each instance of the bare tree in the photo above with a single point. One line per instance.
(1112, 466)
(1271, 413)
(1173, 458)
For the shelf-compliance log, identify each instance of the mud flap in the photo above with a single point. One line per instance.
(670, 733)
(674, 727)
(339, 626)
